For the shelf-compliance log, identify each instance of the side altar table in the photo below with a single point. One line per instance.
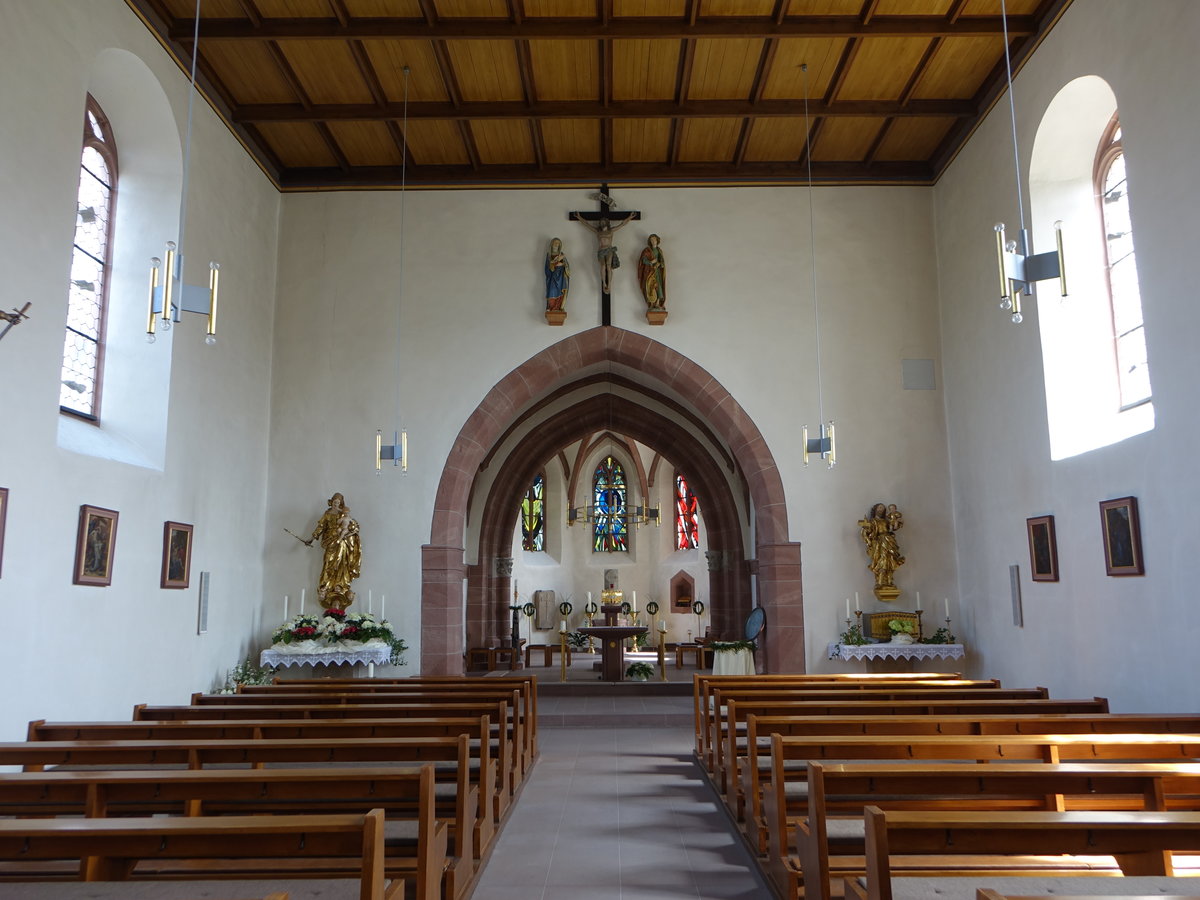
(896, 651)
(612, 642)
(316, 654)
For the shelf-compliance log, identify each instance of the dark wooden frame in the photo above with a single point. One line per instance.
(3, 518)
(1041, 529)
(97, 577)
(1122, 532)
(179, 581)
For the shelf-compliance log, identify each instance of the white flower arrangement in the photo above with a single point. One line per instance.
(332, 627)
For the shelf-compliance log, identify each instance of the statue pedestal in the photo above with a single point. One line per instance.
(656, 316)
(887, 594)
(556, 316)
(612, 647)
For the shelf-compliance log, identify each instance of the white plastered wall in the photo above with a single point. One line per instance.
(1131, 639)
(93, 652)
(354, 354)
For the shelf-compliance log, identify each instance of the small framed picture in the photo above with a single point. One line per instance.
(177, 555)
(1122, 537)
(1043, 548)
(94, 545)
(3, 516)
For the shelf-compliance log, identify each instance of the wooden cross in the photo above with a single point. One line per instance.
(606, 253)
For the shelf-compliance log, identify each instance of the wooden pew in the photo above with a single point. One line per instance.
(406, 796)
(836, 794)
(522, 711)
(526, 685)
(253, 846)
(988, 894)
(496, 710)
(1141, 842)
(753, 762)
(714, 723)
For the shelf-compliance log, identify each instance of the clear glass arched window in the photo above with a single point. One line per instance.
(609, 494)
(533, 515)
(1121, 277)
(91, 267)
(687, 527)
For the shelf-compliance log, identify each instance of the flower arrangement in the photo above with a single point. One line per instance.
(247, 672)
(732, 646)
(577, 639)
(335, 626)
(853, 636)
(901, 626)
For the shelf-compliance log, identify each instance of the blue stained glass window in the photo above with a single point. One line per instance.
(610, 531)
(533, 515)
(687, 529)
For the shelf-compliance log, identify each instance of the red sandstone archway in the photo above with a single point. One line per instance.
(777, 560)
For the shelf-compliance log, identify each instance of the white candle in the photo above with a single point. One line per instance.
(856, 606)
(589, 596)
(662, 626)
(562, 627)
(847, 608)
(946, 600)
(918, 601)
(285, 604)
(382, 606)
(634, 600)
(370, 602)
(301, 601)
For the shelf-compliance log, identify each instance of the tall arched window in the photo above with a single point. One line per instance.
(91, 266)
(533, 515)
(687, 529)
(610, 531)
(1129, 333)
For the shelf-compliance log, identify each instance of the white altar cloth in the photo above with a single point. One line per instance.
(896, 651)
(733, 662)
(314, 653)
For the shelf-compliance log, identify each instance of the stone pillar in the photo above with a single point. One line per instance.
(442, 572)
(501, 618)
(781, 595)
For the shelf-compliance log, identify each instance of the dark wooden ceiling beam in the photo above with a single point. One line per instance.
(252, 12)
(553, 28)
(616, 109)
(623, 174)
(868, 11)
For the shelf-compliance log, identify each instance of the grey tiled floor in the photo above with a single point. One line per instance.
(618, 814)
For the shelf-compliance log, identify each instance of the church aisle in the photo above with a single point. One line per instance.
(618, 814)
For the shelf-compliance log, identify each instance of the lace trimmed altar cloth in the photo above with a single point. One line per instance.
(896, 651)
(319, 654)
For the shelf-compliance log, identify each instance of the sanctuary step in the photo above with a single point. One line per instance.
(621, 705)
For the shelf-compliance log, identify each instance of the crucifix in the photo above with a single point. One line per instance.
(602, 223)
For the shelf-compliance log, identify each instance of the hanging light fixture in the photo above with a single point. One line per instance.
(397, 450)
(1018, 267)
(825, 444)
(173, 297)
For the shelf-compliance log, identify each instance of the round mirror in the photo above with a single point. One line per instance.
(755, 623)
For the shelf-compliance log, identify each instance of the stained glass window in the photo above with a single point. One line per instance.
(533, 515)
(610, 531)
(87, 293)
(1129, 333)
(687, 529)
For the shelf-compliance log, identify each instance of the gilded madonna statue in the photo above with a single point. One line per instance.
(878, 532)
(342, 562)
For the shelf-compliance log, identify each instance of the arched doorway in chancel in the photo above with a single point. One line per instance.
(666, 388)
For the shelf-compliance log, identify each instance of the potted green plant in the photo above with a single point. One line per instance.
(577, 640)
(903, 630)
(639, 671)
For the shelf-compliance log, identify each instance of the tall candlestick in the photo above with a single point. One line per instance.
(918, 601)
(856, 606)
(302, 601)
(285, 605)
(946, 600)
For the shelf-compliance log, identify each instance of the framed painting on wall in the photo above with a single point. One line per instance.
(3, 516)
(1122, 537)
(177, 555)
(1043, 548)
(94, 545)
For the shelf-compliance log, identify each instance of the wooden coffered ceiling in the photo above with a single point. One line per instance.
(508, 93)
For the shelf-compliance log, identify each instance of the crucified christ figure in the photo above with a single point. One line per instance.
(606, 251)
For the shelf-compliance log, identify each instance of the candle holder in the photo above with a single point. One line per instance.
(562, 653)
(662, 656)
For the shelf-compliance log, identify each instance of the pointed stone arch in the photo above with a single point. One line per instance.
(776, 563)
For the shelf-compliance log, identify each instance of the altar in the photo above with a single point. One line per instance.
(612, 642)
(315, 654)
(889, 657)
